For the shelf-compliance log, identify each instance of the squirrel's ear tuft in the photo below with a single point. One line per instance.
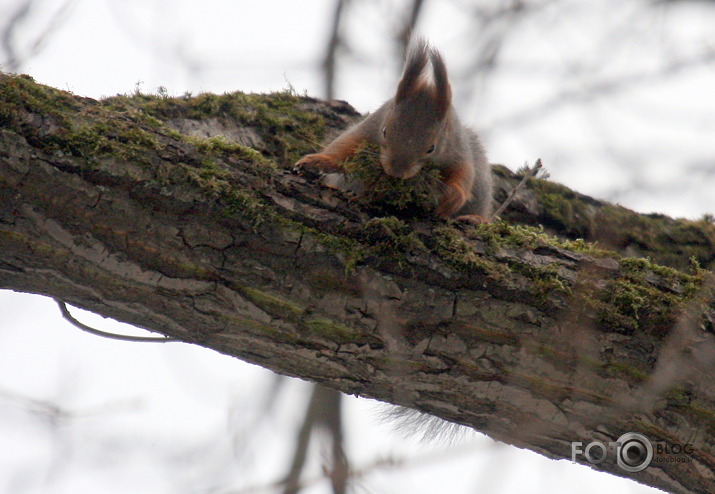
(443, 91)
(412, 79)
(415, 82)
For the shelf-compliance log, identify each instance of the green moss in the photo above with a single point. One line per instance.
(390, 239)
(332, 330)
(501, 233)
(288, 130)
(629, 299)
(384, 195)
(566, 360)
(670, 279)
(272, 331)
(105, 138)
(667, 241)
(458, 252)
(624, 370)
(351, 251)
(20, 94)
(220, 146)
(74, 126)
(681, 399)
(677, 396)
(272, 304)
(545, 280)
(563, 209)
(216, 183)
(643, 296)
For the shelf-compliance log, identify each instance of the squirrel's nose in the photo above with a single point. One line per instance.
(403, 172)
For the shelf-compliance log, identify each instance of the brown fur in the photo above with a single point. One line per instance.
(412, 75)
(420, 124)
(456, 194)
(443, 91)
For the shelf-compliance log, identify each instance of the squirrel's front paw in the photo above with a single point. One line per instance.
(317, 163)
(451, 201)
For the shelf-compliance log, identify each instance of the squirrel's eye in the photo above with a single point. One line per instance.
(431, 148)
(384, 132)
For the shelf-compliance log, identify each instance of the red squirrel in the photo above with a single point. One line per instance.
(418, 125)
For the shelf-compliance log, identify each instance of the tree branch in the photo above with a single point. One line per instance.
(132, 208)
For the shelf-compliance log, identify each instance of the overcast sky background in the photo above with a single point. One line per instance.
(83, 414)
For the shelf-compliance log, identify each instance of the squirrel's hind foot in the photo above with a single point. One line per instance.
(473, 219)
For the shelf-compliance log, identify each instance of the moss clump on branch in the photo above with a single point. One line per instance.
(644, 296)
(563, 209)
(670, 242)
(665, 240)
(61, 122)
(384, 195)
(222, 148)
(288, 130)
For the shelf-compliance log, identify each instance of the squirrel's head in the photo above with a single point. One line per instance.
(414, 124)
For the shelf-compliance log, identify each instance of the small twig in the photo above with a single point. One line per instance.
(529, 173)
(405, 35)
(316, 145)
(66, 314)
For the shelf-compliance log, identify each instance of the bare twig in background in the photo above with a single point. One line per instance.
(494, 24)
(404, 36)
(334, 44)
(13, 56)
(324, 410)
(605, 87)
(12, 61)
(336, 41)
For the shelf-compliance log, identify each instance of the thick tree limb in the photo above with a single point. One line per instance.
(537, 342)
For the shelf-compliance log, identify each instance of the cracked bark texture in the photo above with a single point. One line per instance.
(109, 206)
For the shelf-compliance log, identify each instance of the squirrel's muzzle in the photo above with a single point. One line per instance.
(401, 171)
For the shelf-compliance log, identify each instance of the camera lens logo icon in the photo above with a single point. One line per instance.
(634, 452)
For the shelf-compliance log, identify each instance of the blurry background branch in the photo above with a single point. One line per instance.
(16, 52)
(335, 44)
(405, 34)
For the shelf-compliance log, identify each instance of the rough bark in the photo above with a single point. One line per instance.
(131, 208)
